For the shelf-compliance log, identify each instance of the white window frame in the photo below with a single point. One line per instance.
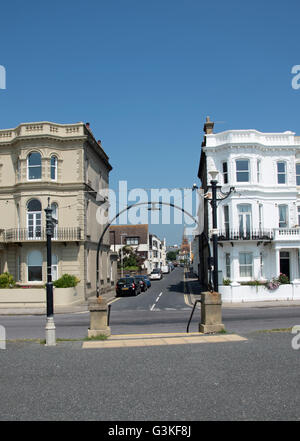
(242, 171)
(225, 173)
(28, 266)
(33, 166)
(297, 174)
(287, 215)
(53, 167)
(281, 173)
(246, 265)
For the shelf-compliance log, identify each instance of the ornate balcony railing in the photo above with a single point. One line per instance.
(289, 234)
(231, 234)
(67, 234)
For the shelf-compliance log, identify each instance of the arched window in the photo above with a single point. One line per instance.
(53, 166)
(34, 166)
(35, 264)
(34, 219)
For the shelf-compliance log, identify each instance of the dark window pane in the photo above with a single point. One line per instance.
(34, 172)
(34, 205)
(242, 177)
(34, 273)
(242, 165)
(281, 179)
(281, 167)
(34, 159)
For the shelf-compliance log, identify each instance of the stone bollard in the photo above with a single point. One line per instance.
(98, 317)
(211, 313)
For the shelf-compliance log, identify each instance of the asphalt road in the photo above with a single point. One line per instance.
(257, 379)
(160, 309)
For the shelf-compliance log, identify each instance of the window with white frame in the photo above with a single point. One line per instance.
(226, 219)
(34, 166)
(281, 172)
(298, 211)
(261, 261)
(242, 170)
(34, 264)
(246, 264)
(228, 265)
(53, 166)
(283, 216)
(298, 174)
(132, 240)
(225, 172)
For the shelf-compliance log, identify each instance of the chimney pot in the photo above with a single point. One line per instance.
(88, 125)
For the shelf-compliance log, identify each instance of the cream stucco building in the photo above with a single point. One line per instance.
(67, 164)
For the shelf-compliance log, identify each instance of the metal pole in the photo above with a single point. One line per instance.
(215, 234)
(50, 326)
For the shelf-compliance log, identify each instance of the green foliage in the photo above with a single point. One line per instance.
(172, 255)
(66, 281)
(283, 279)
(253, 283)
(226, 282)
(7, 281)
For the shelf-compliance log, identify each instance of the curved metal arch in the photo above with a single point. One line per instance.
(123, 211)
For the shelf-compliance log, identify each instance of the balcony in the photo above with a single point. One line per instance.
(14, 235)
(254, 235)
(267, 235)
(290, 234)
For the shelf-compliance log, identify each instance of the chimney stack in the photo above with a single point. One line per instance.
(208, 126)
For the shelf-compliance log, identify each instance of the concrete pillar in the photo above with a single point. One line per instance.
(98, 317)
(211, 312)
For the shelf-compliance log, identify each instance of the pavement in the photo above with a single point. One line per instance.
(68, 309)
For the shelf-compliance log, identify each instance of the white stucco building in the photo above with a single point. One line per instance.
(259, 224)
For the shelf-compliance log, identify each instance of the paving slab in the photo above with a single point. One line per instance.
(159, 340)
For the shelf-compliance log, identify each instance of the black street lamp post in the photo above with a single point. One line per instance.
(214, 200)
(50, 326)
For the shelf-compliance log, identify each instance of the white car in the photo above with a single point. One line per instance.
(156, 274)
(165, 269)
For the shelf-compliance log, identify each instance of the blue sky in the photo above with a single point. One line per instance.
(145, 74)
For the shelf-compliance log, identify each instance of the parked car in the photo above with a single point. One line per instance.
(128, 286)
(143, 283)
(165, 269)
(156, 274)
(147, 280)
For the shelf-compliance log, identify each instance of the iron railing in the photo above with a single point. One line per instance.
(39, 234)
(258, 234)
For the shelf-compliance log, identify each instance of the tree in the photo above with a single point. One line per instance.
(171, 255)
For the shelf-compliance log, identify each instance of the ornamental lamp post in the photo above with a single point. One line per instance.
(50, 325)
(214, 199)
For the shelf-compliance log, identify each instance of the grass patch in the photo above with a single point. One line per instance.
(223, 331)
(97, 337)
(274, 330)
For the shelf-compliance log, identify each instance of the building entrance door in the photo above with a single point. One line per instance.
(285, 263)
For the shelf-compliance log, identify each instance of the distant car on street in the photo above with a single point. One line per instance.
(128, 286)
(143, 283)
(165, 269)
(156, 274)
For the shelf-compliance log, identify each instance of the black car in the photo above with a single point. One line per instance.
(143, 282)
(128, 286)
